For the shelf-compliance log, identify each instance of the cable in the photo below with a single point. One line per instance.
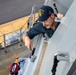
(55, 64)
(54, 4)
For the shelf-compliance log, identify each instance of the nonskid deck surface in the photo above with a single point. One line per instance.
(8, 58)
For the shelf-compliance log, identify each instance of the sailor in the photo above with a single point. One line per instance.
(46, 24)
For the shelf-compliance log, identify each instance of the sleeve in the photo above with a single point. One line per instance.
(36, 30)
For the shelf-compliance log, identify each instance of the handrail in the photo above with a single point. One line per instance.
(31, 19)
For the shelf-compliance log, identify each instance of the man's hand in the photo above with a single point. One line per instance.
(60, 16)
(27, 41)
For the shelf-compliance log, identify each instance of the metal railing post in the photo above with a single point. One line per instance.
(4, 43)
(20, 37)
(34, 11)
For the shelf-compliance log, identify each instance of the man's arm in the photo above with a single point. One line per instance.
(27, 41)
(35, 30)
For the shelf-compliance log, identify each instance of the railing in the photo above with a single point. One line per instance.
(15, 36)
(7, 39)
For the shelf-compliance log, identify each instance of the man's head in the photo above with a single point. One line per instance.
(46, 15)
(45, 12)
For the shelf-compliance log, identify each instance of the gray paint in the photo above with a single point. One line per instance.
(62, 5)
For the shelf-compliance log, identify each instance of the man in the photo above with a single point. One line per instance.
(46, 25)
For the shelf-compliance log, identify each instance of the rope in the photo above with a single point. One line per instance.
(55, 64)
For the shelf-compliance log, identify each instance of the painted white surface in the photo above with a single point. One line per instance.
(31, 66)
(63, 40)
(62, 5)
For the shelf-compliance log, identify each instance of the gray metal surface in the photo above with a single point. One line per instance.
(63, 40)
(72, 70)
(14, 9)
(62, 5)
